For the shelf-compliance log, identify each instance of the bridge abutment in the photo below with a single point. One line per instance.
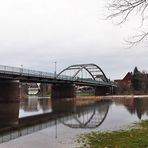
(10, 91)
(63, 91)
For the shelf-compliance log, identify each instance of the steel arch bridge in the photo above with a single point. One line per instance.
(91, 71)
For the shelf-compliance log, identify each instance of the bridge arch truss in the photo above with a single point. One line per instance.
(93, 71)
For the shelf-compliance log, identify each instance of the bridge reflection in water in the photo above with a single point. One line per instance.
(39, 113)
(9, 113)
(43, 113)
(88, 115)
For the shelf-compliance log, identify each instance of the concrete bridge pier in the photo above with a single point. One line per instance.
(63, 91)
(9, 91)
(102, 90)
(23, 90)
(114, 90)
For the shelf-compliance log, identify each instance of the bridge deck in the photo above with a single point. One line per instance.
(27, 75)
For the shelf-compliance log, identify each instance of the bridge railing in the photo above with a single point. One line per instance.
(78, 79)
(40, 74)
(24, 72)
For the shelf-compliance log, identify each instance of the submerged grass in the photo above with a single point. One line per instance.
(134, 137)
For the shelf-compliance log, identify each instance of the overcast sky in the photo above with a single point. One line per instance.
(36, 33)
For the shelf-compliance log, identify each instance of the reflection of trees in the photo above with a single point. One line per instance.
(89, 116)
(141, 106)
(135, 105)
(127, 102)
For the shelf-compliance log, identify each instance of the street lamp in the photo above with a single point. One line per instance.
(55, 68)
(21, 68)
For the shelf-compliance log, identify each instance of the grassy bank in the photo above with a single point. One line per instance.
(135, 137)
(85, 94)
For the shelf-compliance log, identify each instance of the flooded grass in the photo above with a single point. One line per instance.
(134, 137)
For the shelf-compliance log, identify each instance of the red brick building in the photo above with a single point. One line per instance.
(125, 82)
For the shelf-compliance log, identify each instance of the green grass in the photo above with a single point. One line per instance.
(85, 94)
(135, 137)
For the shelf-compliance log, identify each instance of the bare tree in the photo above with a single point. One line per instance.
(123, 9)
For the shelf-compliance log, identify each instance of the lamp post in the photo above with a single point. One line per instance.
(55, 68)
(21, 68)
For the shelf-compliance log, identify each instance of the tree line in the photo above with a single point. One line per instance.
(137, 85)
(139, 81)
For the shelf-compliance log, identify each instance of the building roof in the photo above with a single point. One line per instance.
(128, 77)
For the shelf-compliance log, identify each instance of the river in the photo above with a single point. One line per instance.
(42, 122)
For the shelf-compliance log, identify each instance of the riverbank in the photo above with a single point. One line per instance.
(111, 97)
(136, 137)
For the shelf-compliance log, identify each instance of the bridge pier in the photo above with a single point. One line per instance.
(102, 90)
(9, 91)
(63, 91)
(23, 90)
(114, 90)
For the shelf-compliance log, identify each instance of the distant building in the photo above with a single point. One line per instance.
(33, 88)
(126, 81)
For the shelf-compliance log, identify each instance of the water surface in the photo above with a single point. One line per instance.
(71, 117)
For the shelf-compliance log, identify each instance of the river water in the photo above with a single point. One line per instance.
(66, 119)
